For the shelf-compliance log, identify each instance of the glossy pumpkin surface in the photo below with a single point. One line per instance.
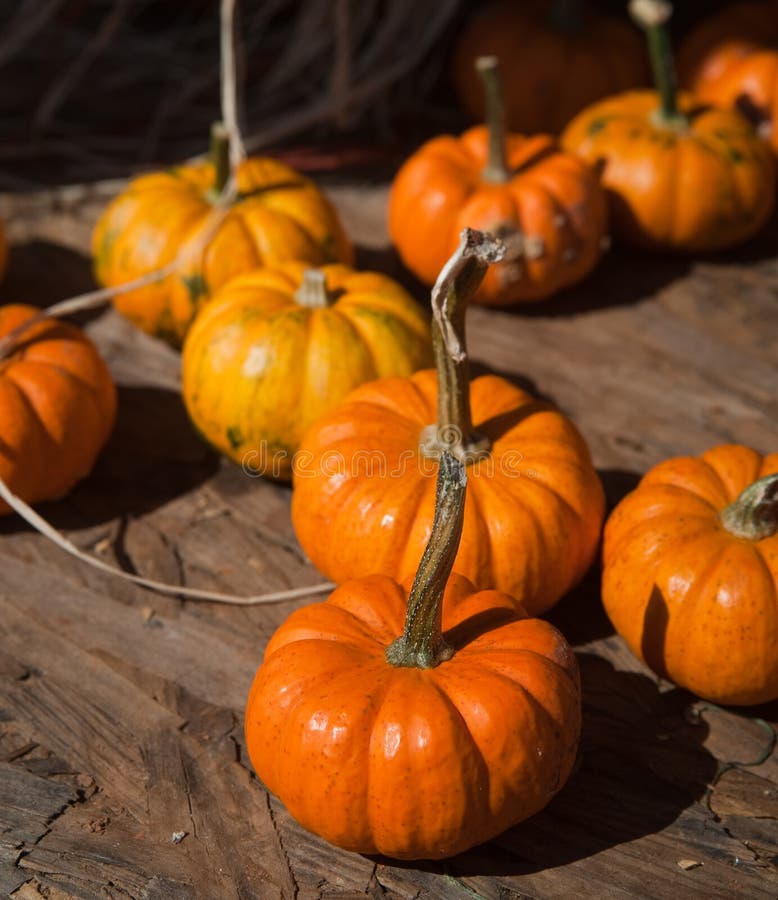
(364, 490)
(263, 361)
(553, 66)
(700, 186)
(57, 405)
(551, 213)
(279, 216)
(695, 602)
(413, 763)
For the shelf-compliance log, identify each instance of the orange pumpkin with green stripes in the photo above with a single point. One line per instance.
(277, 348)
(279, 215)
(680, 175)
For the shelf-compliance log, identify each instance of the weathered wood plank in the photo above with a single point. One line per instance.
(144, 694)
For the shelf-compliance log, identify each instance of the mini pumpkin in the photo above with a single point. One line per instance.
(743, 75)
(279, 215)
(557, 58)
(690, 577)
(680, 176)
(278, 347)
(419, 724)
(723, 37)
(364, 478)
(57, 404)
(544, 204)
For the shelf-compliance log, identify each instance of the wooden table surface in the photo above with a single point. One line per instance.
(121, 710)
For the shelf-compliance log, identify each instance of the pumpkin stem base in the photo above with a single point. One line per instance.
(754, 515)
(313, 291)
(220, 159)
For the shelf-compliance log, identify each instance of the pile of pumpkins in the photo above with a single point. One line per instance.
(417, 712)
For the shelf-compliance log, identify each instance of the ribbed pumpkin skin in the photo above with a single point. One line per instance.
(279, 216)
(259, 368)
(696, 190)
(413, 763)
(551, 196)
(748, 79)
(695, 603)
(57, 406)
(550, 74)
(364, 496)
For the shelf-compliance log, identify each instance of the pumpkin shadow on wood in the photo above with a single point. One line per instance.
(152, 456)
(641, 765)
(623, 277)
(41, 273)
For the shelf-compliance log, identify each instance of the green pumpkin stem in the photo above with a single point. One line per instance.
(565, 15)
(496, 170)
(313, 291)
(422, 645)
(220, 156)
(456, 284)
(652, 16)
(754, 515)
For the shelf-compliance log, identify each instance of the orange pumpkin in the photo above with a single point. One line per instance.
(279, 216)
(415, 740)
(723, 38)
(57, 405)
(557, 58)
(364, 477)
(277, 348)
(679, 176)
(690, 575)
(546, 206)
(744, 76)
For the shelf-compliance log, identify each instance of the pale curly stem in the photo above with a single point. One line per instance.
(453, 290)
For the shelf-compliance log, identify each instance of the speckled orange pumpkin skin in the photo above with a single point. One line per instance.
(57, 407)
(551, 197)
(695, 189)
(279, 216)
(696, 604)
(550, 73)
(259, 368)
(364, 494)
(413, 763)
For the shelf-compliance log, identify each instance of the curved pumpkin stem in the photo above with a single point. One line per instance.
(422, 645)
(754, 515)
(496, 171)
(652, 16)
(456, 284)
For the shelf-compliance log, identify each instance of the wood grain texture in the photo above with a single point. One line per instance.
(122, 766)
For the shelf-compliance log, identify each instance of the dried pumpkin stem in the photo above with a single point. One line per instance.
(220, 156)
(456, 284)
(313, 291)
(496, 170)
(754, 515)
(652, 16)
(422, 645)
